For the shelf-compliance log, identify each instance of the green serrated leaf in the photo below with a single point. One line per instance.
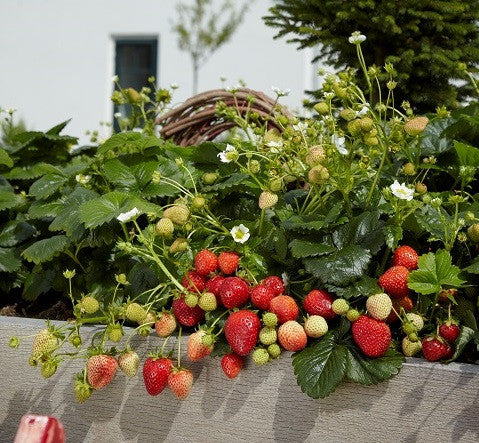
(393, 235)
(473, 268)
(47, 185)
(434, 271)
(370, 371)
(365, 230)
(68, 219)
(319, 369)
(465, 336)
(44, 250)
(340, 267)
(5, 159)
(15, 232)
(429, 219)
(38, 282)
(103, 209)
(468, 155)
(364, 286)
(118, 173)
(41, 209)
(304, 248)
(9, 261)
(8, 199)
(231, 182)
(303, 223)
(121, 140)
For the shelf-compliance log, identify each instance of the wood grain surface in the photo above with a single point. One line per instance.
(424, 403)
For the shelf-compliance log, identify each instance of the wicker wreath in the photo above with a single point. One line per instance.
(196, 120)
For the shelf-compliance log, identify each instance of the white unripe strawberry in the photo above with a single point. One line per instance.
(410, 348)
(315, 326)
(416, 320)
(379, 306)
(267, 200)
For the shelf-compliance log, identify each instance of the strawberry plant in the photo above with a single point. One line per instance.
(349, 238)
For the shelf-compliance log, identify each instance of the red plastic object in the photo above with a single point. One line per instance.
(40, 429)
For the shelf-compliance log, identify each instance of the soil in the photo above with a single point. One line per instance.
(49, 306)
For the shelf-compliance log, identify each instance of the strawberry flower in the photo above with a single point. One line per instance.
(401, 191)
(240, 233)
(340, 144)
(356, 38)
(280, 92)
(127, 216)
(229, 154)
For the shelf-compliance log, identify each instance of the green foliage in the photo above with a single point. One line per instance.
(425, 41)
(320, 368)
(435, 272)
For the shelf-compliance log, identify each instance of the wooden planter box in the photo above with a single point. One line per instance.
(425, 402)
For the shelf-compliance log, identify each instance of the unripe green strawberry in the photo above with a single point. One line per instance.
(371, 141)
(366, 123)
(207, 301)
(179, 245)
(379, 306)
(115, 332)
(318, 174)
(89, 305)
(191, 300)
(473, 232)
(260, 356)
(409, 169)
(409, 328)
(276, 184)
(274, 350)
(410, 348)
(133, 95)
(416, 320)
(352, 315)
(135, 312)
(340, 91)
(128, 361)
(267, 200)
(340, 306)
(421, 188)
(348, 114)
(354, 127)
(209, 178)
(43, 343)
(315, 156)
(416, 126)
(198, 202)
(315, 326)
(270, 319)
(254, 166)
(149, 320)
(165, 228)
(321, 108)
(267, 335)
(49, 367)
(82, 389)
(178, 214)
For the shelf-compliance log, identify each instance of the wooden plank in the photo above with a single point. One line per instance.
(425, 402)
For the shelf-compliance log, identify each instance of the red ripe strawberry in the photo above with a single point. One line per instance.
(319, 302)
(242, 330)
(372, 336)
(228, 262)
(449, 352)
(406, 303)
(449, 331)
(275, 283)
(206, 262)
(165, 324)
(186, 315)
(261, 296)
(155, 374)
(234, 292)
(434, 348)
(394, 281)
(405, 256)
(231, 364)
(193, 282)
(180, 382)
(285, 308)
(101, 370)
(196, 349)
(213, 285)
(291, 336)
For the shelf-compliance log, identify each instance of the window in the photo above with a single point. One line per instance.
(135, 61)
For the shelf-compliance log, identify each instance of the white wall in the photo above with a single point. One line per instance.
(56, 57)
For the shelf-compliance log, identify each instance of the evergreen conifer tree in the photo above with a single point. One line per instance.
(427, 41)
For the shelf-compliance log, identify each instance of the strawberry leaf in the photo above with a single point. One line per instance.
(320, 368)
(304, 248)
(371, 371)
(434, 271)
(466, 335)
